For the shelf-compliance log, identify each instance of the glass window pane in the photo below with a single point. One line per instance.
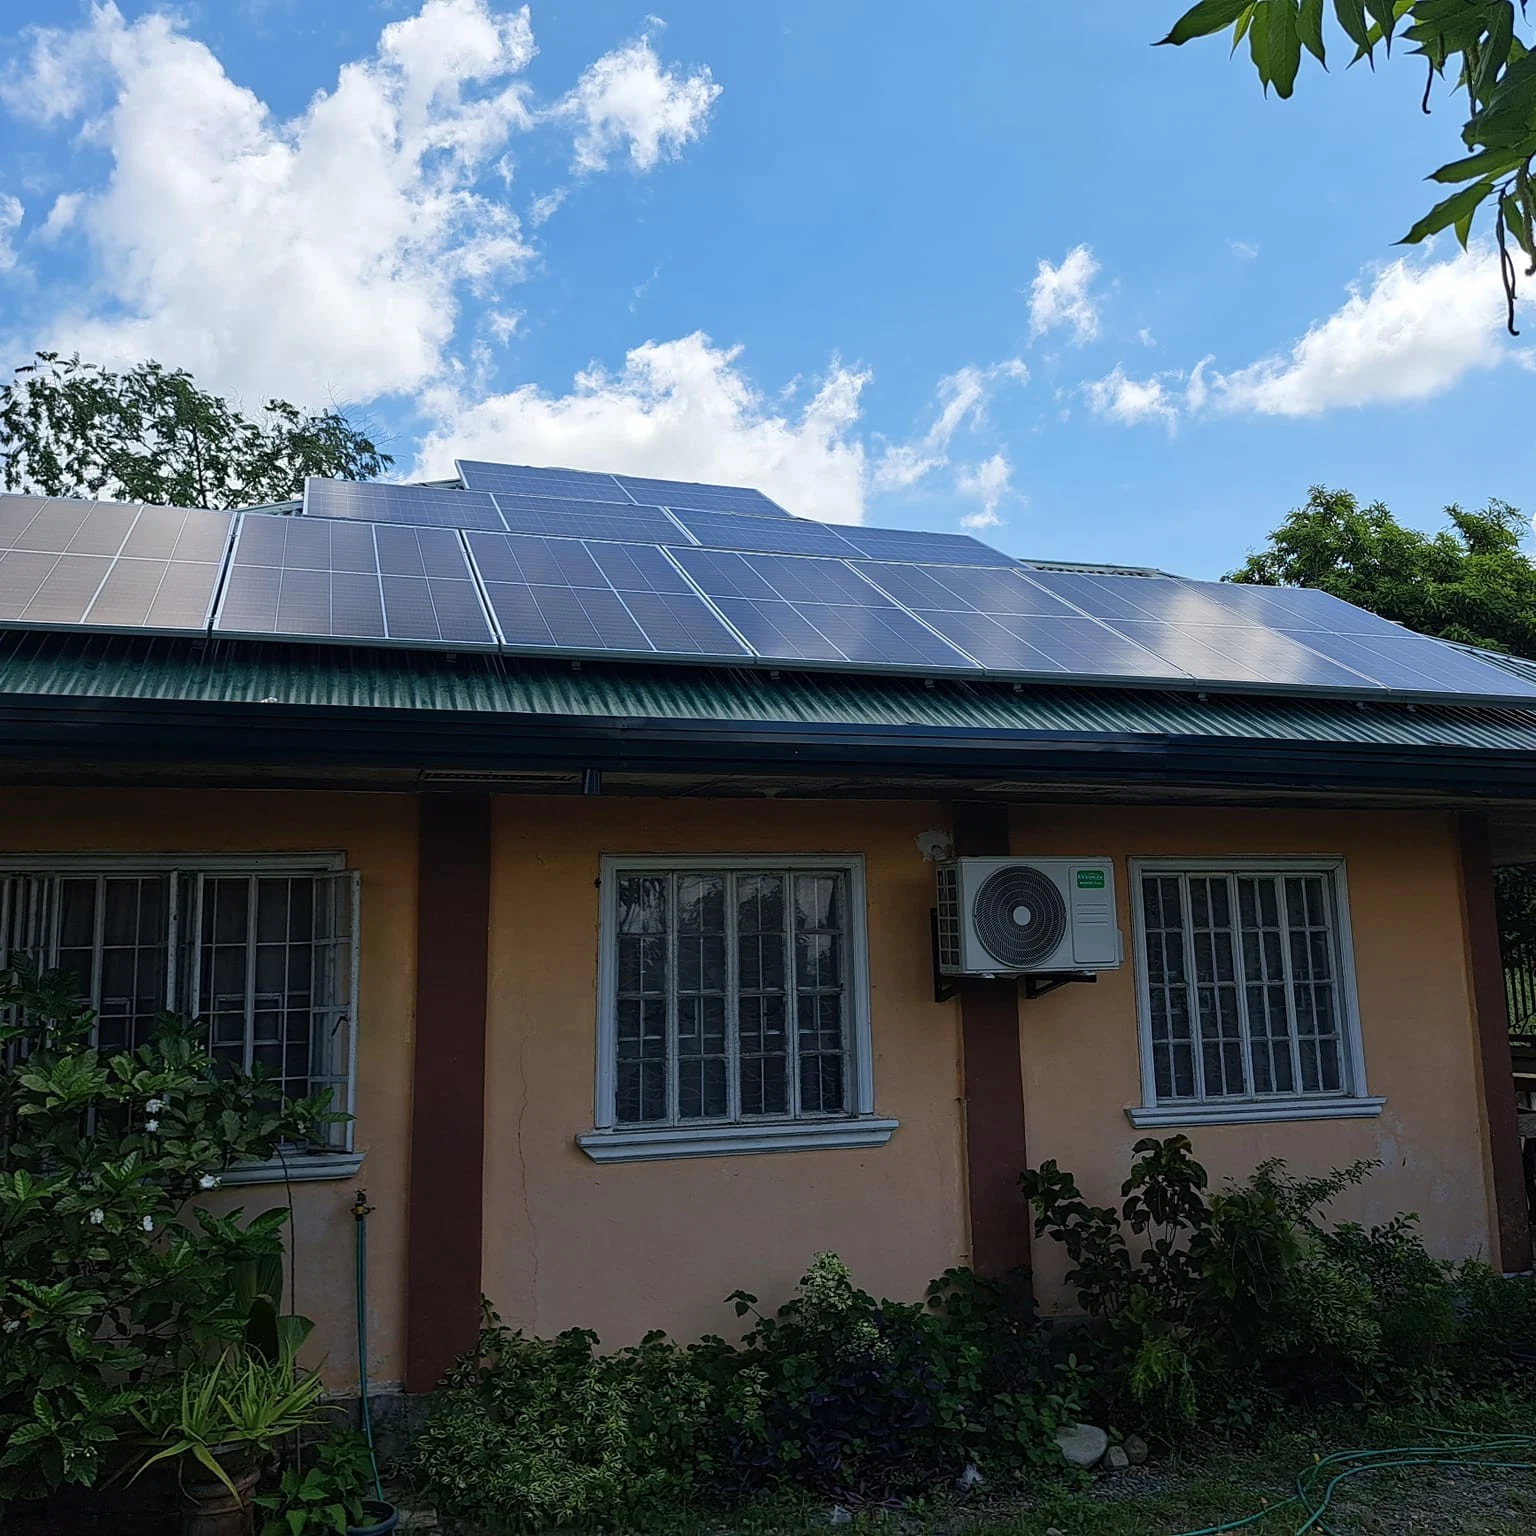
(819, 990)
(1167, 987)
(642, 1001)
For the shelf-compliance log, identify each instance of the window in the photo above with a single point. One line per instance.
(733, 1014)
(261, 952)
(1247, 992)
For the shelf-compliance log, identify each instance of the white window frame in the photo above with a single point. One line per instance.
(609, 1142)
(310, 1164)
(1351, 1102)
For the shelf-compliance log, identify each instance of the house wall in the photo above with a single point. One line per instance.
(626, 1247)
(377, 833)
(1079, 1051)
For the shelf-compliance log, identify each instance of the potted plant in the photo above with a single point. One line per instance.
(220, 1426)
(326, 1492)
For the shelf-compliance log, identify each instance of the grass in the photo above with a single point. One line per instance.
(1208, 1485)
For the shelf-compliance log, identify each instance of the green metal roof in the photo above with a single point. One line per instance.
(60, 667)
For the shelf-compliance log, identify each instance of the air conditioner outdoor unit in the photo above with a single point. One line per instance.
(1022, 917)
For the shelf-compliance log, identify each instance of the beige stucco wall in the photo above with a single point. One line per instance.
(627, 1247)
(377, 833)
(1079, 1052)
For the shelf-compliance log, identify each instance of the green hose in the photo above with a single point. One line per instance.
(1314, 1503)
(360, 1210)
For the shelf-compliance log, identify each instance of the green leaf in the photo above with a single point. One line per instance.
(1457, 206)
(1351, 14)
(1240, 31)
(1385, 16)
(1310, 25)
(1283, 45)
(1514, 220)
(1258, 47)
(1203, 19)
(1486, 162)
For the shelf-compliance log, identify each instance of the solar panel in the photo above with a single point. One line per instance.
(1406, 661)
(112, 565)
(526, 480)
(794, 609)
(678, 494)
(351, 581)
(782, 536)
(1008, 626)
(926, 548)
(560, 517)
(1293, 608)
(422, 506)
(562, 594)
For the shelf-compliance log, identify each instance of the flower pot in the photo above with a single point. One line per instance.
(210, 1509)
(379, 1518)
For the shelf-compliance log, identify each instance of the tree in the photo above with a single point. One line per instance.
(1470, 43)
(73, 428)
(1470, 582)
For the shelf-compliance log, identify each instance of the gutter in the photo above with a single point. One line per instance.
(160, 733)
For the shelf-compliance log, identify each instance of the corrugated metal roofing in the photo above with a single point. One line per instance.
(337, 678)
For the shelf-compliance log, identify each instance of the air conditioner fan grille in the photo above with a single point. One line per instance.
(1020, 916)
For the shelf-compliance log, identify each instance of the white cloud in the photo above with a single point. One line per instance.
(1131, 401)
(11, 213)
(681, 410)
(988, 482)
(546, 205)
(1059, 296)
(1411, 334)
(963, 395)
(628, 98)
(327, 255)
(1244, 250)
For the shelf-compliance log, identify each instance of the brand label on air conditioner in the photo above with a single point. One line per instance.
(1090, 879)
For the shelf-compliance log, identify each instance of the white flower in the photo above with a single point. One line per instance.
(207, 1182)
(13, 1325)
(98, 1216)
(154, 1106)
(148, 1223)
(151, 1125)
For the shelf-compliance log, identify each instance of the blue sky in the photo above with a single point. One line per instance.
(1007, 263)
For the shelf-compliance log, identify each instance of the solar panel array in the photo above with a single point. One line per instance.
(318, 579)
(566, 562)
(618, 599)
(66, 563)
(421, 506)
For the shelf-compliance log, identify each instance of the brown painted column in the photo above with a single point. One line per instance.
(1514, 1234)
(993, 1082)
(453, 901)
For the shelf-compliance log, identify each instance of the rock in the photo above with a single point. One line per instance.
(1136, 1449)
(1082, 1445)
(1052, 1530)
(970, 1478)
(837, 1515)
(1116, 1459)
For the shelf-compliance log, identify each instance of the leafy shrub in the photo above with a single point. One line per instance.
(1239, 1299)
(836, 1394)
(322, 1490)
(106, 1287)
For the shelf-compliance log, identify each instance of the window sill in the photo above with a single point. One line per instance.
(649, 1143)
(1252, 1112)
(298, 1168)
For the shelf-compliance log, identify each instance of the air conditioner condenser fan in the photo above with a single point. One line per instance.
(1020, 916)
